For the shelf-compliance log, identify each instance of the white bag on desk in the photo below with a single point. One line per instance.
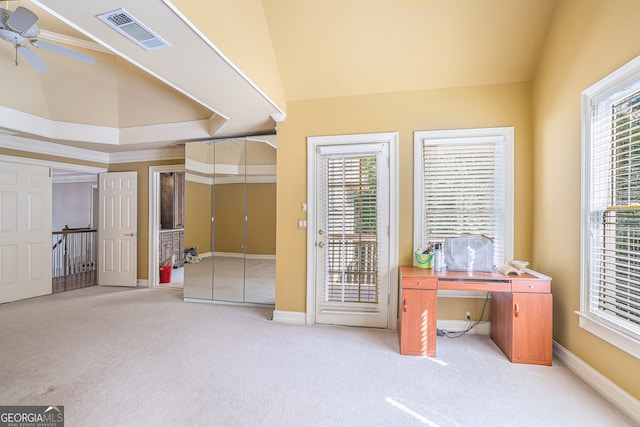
(469, 253)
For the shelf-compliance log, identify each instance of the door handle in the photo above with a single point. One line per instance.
(321, 244)
(405, 306)
(130, 235)
(517, 310)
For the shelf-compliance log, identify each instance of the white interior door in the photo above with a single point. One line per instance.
(351, 234)
(117, 228)
(25, 231)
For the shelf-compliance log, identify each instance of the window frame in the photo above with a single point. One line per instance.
(624, 77)
(457, 136)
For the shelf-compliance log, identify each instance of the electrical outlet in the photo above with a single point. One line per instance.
(467, 314)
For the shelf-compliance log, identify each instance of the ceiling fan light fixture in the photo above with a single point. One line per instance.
(130, 27)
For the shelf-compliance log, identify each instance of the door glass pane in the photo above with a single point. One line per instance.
(352, 231)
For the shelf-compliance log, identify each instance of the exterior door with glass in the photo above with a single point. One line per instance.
(351, 234)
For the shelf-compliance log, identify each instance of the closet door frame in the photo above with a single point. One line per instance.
(153, 263)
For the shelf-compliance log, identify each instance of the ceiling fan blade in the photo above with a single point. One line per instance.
(21, 20)
(33, 59)
(64, 52)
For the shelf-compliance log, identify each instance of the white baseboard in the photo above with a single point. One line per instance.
(299, 318)
(294, 317)
(460, 325)
(622, 400)
(142, 283)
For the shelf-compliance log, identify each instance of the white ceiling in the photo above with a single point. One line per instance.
(322, 49)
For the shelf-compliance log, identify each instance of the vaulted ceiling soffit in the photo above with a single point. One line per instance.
(131, 95)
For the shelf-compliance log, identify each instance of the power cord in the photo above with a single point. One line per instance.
(470, 324)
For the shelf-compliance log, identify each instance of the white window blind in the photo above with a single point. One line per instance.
(612, 285)
(464, 190)
(352, 230)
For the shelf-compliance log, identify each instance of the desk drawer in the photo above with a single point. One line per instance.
(419, 283)
(488, 286)
(531, 286)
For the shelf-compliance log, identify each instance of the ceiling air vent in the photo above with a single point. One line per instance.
(123, 22)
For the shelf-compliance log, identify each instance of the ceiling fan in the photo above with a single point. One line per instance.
(19, 28)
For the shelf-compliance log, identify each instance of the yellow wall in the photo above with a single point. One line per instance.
(588, 40)
(406, 112)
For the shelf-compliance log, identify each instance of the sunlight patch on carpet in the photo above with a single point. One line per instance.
(411, 412)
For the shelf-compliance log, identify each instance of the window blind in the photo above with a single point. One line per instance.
(464, 191)
(614, 211)
(352, 230)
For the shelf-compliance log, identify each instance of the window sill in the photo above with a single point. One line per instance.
(610, 335)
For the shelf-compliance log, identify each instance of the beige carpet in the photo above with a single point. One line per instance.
(143, 357)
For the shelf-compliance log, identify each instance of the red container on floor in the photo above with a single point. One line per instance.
(165, 273)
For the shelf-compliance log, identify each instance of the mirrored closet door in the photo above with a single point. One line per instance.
(230, 220)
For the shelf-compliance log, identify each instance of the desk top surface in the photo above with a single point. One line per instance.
(495, 275)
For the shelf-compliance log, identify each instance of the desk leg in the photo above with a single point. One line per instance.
(432, 331)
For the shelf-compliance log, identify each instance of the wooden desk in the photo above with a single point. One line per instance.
(521, 311)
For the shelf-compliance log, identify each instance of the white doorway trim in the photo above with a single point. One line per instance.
(153, 276)
(390, 138)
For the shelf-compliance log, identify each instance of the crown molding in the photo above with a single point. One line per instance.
(172, 153)
(52, 149)
(208, 180)
(52, 164)
(229, 169)
(58, 150)
(14, 121)
(260, 179)
(199, 179)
